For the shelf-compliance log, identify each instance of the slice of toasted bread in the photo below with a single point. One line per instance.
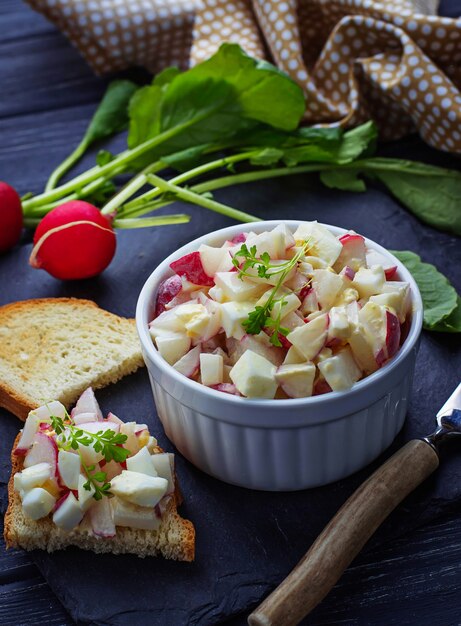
(54, 348)
(175, 538)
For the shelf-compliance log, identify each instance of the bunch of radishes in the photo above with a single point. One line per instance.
(73, 241)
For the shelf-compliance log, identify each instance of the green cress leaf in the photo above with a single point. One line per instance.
(433, 194)
(214, 101)
(347, 180)
(440, 300)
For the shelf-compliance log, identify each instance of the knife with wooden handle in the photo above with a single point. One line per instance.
(356, 521)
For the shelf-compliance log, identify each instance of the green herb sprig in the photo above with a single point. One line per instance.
(107, 442)
(260, 317)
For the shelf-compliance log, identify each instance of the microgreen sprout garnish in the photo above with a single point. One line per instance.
(260, 317)
(97, 480)
(107, 442)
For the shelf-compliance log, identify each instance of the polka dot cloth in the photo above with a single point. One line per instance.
(394, 61)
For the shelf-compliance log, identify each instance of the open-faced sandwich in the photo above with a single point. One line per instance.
(97, 483)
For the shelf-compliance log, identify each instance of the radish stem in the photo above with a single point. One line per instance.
(194, 198)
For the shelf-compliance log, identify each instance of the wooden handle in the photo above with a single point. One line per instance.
(345, 536)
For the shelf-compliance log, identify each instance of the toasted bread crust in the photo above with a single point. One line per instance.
(19, 532)
(16, 397)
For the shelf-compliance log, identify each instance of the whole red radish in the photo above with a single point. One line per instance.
(73, 241)
(10, 217)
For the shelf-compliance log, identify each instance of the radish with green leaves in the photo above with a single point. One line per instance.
(10, 217)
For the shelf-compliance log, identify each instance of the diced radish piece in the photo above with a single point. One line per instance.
(69, 468)
(390, 272)
(83, 418)
(310, 304)
(392, 334)
(353, 253)
(189, 364)
(227, 388)
(310, 338)
(259, 344)
(139, 488)
(190, 266)
(141, 462)
(240, 238)
(167, 290)
(293, 357)
(87, 403)
(96, 427)
(322, 243)
(68, 513)
(215, 259)
(28, 434)
(102, 518)
(327, 286)
(321, 387)
(54, 408)
(347, 272)
(164, 466)
(113, 418)
(43, 450)
(376, 258)
(232, 316)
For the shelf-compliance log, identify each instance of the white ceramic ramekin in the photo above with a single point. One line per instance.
(279, 445)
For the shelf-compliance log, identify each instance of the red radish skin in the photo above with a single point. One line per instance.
(73, 241)
(167, 290)
(240, 238)
(304, 292)
(226, 388)
(390, 272)
(190, 266)
(11, 220)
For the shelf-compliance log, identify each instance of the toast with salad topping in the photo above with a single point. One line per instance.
(97, 484)
(57, 347)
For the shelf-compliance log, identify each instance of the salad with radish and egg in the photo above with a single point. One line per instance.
(281, 314)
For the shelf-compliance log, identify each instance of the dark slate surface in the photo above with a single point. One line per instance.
(246, 541)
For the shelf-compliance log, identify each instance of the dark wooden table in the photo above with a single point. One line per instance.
(47, 96)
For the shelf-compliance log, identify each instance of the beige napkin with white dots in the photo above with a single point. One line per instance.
(394, 61)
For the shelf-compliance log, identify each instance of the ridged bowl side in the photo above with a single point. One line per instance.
(284, 459)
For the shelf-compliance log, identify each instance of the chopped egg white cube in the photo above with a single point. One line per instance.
(141, 462)
(339, 326)
(340, 371)
(139, 488)
(237, 289)
(211, 369)
(134, 516)
(33, 476)
(369, 282)
(37, 503)
(310, 338)
(254, 376)
(296, 380)
(233, 314)
(69, 513)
